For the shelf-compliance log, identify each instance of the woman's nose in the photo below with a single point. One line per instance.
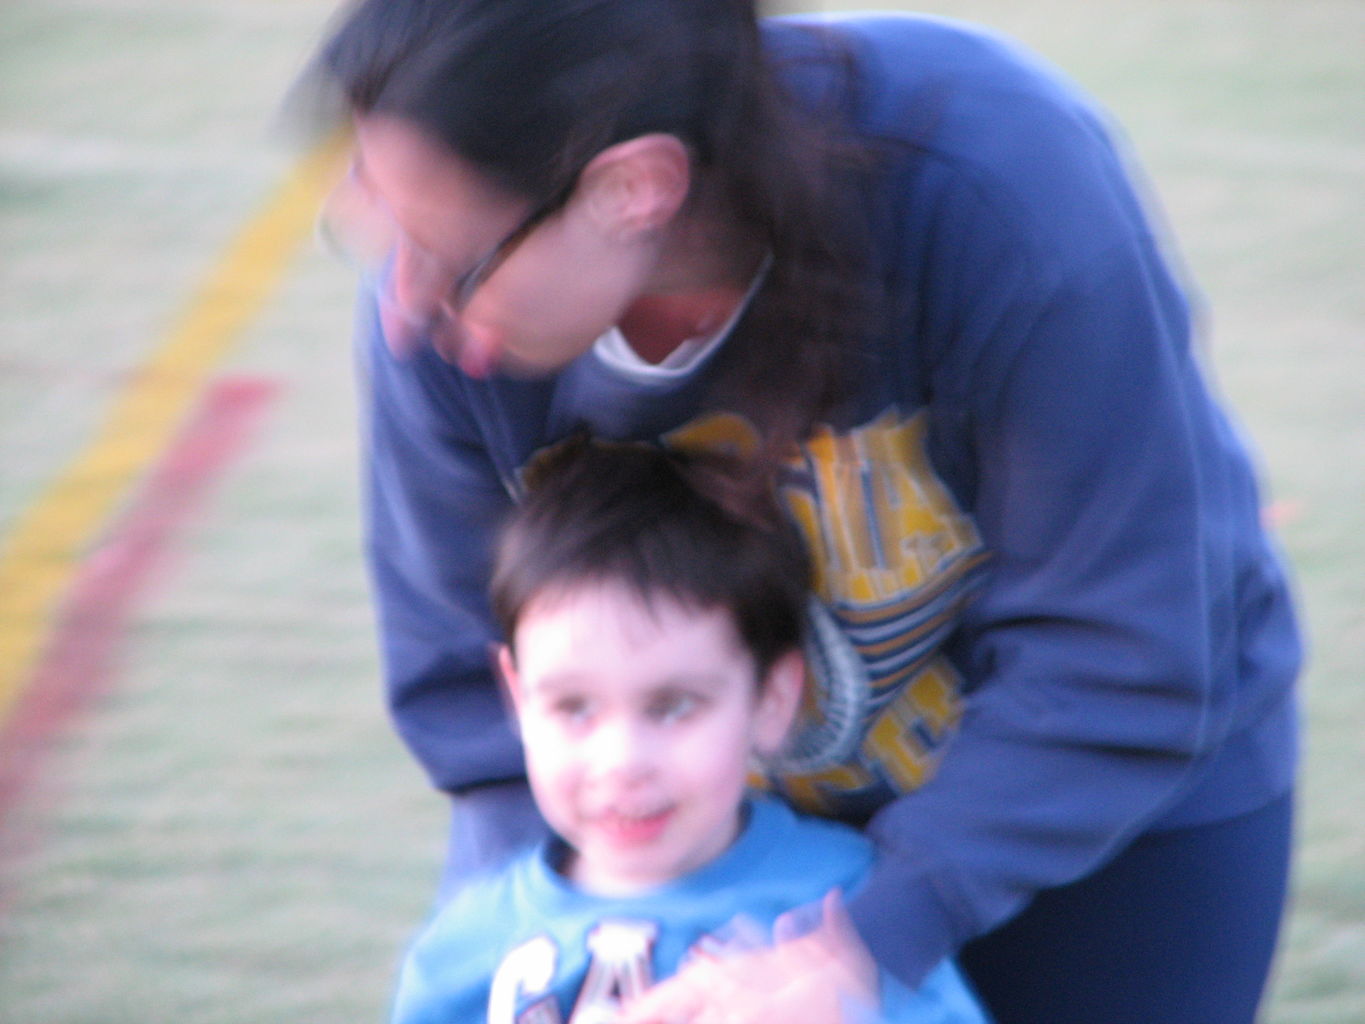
(417, 282)
(411, 299)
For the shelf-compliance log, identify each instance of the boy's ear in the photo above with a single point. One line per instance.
(637, 186)
(778, 701)
(507, 673)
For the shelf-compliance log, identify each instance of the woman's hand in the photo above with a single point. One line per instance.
(825, 976)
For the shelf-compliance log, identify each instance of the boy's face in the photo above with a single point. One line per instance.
(638, 723)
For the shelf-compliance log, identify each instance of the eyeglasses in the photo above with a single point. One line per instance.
(358, 227)
(462, 291)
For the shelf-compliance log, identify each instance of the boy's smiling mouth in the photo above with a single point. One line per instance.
(632, 828)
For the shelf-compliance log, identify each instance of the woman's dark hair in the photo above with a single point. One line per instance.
(530, 90)
(693, 527)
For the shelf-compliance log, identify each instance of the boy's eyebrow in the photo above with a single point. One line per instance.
(555, 682)
(683, 680)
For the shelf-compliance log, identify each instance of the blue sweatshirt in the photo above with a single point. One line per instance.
(1048, 618)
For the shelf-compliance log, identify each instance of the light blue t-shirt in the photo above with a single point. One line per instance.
(525, 946)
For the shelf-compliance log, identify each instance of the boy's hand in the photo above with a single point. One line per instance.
(823, 977)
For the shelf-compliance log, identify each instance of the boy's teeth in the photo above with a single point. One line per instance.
(635, 816)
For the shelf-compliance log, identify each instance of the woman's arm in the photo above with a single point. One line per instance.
(1096, 659)
(1132, 617)
(433, 499)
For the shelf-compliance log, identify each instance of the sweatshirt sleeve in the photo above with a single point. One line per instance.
(434, 499)
(1100, 657)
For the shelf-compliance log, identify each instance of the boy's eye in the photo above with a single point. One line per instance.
(673, 706)
(572, 709)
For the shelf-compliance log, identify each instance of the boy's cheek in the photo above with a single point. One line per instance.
(548, 752)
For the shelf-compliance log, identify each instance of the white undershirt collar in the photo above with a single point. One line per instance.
(615, 352)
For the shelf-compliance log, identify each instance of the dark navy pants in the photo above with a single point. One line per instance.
(1178, 929)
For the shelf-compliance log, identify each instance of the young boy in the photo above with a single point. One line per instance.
(653, 612)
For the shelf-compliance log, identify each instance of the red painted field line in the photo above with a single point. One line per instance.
(79, 663)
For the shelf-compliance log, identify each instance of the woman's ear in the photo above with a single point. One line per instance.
(637, 186)
(779, 698)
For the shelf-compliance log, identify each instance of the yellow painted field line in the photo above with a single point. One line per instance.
(45, 547)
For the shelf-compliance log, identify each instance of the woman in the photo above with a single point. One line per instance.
(902, 262)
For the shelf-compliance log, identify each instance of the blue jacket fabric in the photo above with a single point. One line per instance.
(1048, 617)
(524, 946)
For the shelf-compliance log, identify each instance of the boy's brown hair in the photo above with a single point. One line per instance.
(698, 528)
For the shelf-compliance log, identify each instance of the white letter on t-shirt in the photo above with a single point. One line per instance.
(620, 969)
(525, 972)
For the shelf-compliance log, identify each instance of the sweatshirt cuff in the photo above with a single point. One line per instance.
(489, 825)
(906, 925)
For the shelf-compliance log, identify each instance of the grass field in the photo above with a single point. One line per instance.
(227, 830)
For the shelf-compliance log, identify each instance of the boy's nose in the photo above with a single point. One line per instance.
(622, 751)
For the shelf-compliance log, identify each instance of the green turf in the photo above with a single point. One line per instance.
(233, 834)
